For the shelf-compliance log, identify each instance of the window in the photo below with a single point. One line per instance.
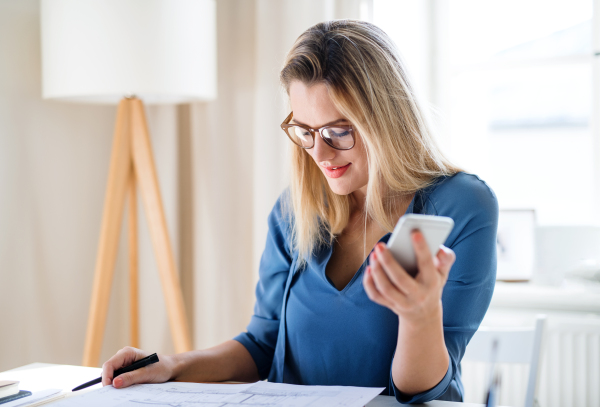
(513, 84)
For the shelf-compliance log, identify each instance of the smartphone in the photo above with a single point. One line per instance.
(435, 230)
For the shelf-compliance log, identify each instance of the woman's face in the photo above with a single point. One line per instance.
(346, 171)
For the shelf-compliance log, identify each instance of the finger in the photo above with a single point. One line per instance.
(427, 269)
(372, 292)
(133, 377)
(383, 284)
(124, 357)
(397, 275)
(446, 258)
(153, 373)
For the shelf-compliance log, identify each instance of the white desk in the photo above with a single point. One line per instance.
(40, 376)
(572, 296)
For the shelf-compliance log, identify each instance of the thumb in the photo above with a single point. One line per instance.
(127, 379)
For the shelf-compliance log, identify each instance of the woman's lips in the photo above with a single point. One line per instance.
(336, 172)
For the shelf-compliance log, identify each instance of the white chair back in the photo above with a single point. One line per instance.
(515, 345)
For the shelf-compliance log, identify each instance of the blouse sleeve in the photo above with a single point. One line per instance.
(468, 291)
(261, 336)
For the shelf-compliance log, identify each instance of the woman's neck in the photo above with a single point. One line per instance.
(358, 201)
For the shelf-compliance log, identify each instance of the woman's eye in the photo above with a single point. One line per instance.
(302, 133)
(338, 132)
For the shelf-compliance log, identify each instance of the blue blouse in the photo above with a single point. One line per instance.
(305, 331)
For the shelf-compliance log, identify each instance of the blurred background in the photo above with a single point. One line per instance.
(514, 91)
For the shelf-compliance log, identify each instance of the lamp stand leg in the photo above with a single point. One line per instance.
(118, 177)
(132, 164)
(145, 171)
(134, 319)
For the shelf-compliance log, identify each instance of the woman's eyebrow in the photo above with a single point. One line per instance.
(326, 124)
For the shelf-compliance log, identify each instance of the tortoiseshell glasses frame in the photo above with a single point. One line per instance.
(338, 136)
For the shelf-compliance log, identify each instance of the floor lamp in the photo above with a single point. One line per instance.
(126, 52)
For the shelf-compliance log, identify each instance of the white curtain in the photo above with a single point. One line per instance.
(221, 166)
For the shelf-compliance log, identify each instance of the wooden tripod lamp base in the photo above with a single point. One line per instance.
(131, 166)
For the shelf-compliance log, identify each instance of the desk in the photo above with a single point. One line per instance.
(39, 376)
(572, 296)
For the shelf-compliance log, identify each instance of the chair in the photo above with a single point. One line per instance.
(515, 345)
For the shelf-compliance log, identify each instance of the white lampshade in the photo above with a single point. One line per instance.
(98, 51)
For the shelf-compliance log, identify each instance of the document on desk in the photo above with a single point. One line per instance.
(174, 394)
(37, 398)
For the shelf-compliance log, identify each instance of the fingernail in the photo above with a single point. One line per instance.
(374, 255)
(379, 247)
(417, 236)
(118, 382)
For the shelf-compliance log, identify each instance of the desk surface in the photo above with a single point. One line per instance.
(40, 376)
(572, 295)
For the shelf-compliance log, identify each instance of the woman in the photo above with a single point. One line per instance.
(333, 307)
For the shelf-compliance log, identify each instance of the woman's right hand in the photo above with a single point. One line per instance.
(158, 372)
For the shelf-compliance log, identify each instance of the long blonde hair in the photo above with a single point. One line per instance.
(368, 84)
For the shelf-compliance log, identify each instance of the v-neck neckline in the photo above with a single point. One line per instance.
(360, 270)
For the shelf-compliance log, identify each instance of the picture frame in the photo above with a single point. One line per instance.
(515, 245)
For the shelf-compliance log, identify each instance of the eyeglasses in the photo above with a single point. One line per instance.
(338, 136)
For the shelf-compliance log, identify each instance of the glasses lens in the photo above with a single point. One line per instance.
(339, 137)
(300, 136)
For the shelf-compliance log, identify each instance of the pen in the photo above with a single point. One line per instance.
(148, 360)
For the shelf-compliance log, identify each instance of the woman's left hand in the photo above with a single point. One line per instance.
(413, 299)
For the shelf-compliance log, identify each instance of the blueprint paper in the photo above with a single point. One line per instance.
(258, 394)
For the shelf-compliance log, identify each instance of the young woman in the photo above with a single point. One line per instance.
(332, 305)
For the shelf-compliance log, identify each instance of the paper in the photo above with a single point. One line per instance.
(40, 376)
(34, 399)
(258, 394)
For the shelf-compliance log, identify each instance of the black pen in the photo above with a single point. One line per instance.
(148, 360)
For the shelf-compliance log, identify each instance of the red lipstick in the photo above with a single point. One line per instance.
(336, 172)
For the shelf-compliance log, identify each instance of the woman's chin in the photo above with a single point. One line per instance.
(338, 189)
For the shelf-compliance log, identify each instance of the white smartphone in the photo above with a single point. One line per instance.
(435, 230)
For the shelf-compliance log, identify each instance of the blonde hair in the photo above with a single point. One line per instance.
(368, 84)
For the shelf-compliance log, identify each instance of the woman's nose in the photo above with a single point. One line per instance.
(321, 150)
